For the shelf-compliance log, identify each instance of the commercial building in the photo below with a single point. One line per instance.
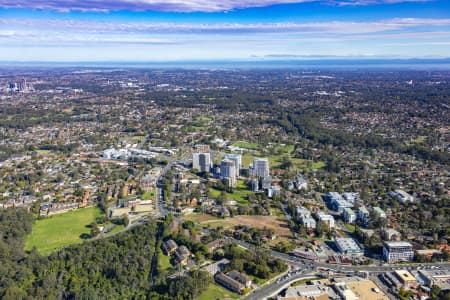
(237, 158)
(397, 251)
(349, 215)
(201, 161)
(261, 167)
(348, 246)
(406, 278)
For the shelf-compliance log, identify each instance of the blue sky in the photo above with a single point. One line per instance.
(171, 30)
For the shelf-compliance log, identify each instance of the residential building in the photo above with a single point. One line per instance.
(302, 212)
(228, 171)
(261, 167)
(348, 246)
(308, 222)
(237, 158)
(326, 218)
(229, 283)
(349, 215)
(266, 182)
(201, 148)
(390, 234)
(273, 191)
(201, 161)
(336, 202)
(397, 251)
(401, 196)
(240, 277)
(363, 214)
(181, 255)
(379, 212)
(169, 247)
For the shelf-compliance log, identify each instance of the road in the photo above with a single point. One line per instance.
(309, 267)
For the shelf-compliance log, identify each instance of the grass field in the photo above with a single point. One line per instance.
(240, 193)
(246, 145)
(215, 291)
(61, 230)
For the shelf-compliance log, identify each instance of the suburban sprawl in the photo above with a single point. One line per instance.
(224, 184)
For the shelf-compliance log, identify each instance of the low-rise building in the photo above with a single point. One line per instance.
(229, 283)
(397, 251)
(406, 279)
(349, 215)
(401, 196)
(309, 222)
(348, 246)
(363, 214)
(379, 212)
(326, 218)
(169, 247)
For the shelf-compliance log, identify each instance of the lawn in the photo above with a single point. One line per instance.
(240, 193)
(163, 261)
(215, 291)
(203, 119)
(246, 145)
(149, 195)
(350, 227)
(275, 161)
(61, 230)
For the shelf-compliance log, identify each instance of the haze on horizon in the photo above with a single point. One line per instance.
(174, 30)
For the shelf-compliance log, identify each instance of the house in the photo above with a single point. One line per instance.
(390, 234)
(169, 247)
(181, 255)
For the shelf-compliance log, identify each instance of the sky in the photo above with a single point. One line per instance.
(198, 30)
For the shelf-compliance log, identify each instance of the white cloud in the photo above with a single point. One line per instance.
(172, 5)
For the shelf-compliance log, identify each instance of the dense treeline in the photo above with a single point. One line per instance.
(307, 124)
(121, 267)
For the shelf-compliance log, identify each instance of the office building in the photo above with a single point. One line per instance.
(261, 167)
(397, 251)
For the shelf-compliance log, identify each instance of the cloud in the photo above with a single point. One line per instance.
(144, 5)
(43, 26)
(172, 5)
